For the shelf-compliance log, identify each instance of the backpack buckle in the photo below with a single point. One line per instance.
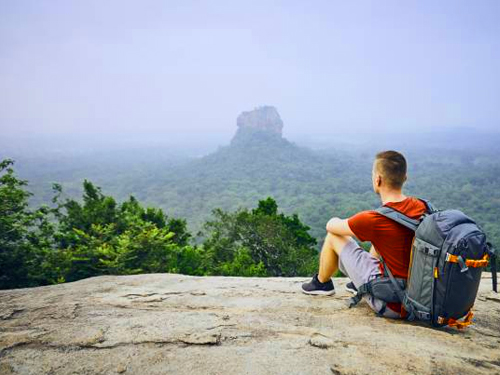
(423, 315)
(463, 266)
(430, 251)
(353, 301)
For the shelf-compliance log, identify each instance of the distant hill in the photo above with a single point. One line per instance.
(259, 162)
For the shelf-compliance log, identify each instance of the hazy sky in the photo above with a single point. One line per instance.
(110, 68)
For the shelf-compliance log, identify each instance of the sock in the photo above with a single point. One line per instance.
(317, 278)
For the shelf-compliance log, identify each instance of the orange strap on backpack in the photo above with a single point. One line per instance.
(469, 262)
(457, 323)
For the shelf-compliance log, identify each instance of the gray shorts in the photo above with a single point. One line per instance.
(360, 266)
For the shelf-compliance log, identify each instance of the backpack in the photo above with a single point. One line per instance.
(448, 254)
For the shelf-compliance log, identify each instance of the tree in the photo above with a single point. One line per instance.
(276, 243)
(100, 236)
(27, 256)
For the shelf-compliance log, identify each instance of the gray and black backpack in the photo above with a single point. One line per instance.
(448, 255)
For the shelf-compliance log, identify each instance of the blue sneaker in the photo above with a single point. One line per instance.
(316, 287)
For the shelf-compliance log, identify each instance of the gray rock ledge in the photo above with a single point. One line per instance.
(175, 324)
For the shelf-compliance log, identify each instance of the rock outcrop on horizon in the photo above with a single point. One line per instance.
(262, 124)
(265, 118)
(174, 324)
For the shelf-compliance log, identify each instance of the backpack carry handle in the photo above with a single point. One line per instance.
(430, 207)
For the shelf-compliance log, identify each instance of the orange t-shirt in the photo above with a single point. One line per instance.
(391, 240)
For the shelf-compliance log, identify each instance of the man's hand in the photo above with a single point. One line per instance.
(339, 227)
(374, 252)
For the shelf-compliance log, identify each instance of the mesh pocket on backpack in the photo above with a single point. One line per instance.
(421, 283)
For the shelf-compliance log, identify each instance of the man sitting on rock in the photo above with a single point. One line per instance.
(388, 238)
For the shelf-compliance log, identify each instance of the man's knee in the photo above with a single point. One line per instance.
(337, 242)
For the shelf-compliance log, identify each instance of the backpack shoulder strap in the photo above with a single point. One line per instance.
(398, 217)
(401, 218)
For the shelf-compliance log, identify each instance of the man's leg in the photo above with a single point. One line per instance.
(321, 282)
(360, 266)
(329, 258)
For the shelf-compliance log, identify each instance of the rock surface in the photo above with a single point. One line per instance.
(264, 118)
(175, 324)
(262, 125)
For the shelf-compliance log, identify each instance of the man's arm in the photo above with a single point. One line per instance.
(339, 227)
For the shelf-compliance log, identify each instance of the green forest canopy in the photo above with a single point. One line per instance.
(72, 240)
(203, 212)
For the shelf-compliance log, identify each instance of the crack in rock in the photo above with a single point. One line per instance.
(145, 295)
(483, 362)
(193, 339)
(202, 339)
(98, 341)
(139, 294)
(494, 299)
(197, 293)
(221, 325)
(148, 300)
(10, 313)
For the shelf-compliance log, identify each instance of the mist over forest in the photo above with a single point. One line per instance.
(217, 175)
(218, 138)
